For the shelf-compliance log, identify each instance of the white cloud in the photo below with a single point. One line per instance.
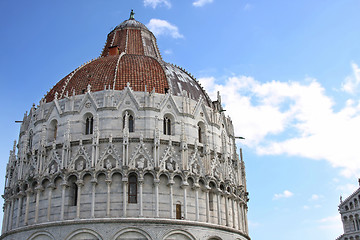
(285, 194)
(351, 83)
(163, 27)
(155, 3)
(200, 3)
(315, 197)
(292, 118)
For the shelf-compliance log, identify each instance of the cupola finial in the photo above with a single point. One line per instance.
(132, 15)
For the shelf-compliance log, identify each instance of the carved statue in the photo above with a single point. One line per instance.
(53, 169)
(169, 165)
(80, 166)
(195, 168)
(108, 164)
(141, 163)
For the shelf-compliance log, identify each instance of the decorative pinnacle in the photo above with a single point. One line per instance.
(132, 15)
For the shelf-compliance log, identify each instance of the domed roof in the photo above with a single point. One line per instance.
(130, 56)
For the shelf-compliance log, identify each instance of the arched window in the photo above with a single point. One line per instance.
(130, 123)
(167, 126)
(52, 132)
(178, 211)
(89, 125)
(132, 189)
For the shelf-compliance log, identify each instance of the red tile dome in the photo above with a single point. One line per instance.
(130, 56)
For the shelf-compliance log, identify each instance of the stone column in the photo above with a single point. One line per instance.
(218, 200)
(38, 189)
(185, 186)
(226, 208)
(93, 182)
(141, 183)
(20, 202)
(51, 188)
(79, 184)
(125, 186)
(63, 192)
(4, 218)
(196, 187)
(10, 221)
(26, 219)
(245, 220)
(239, 215)
(207, 204)
(156, 184)
(108, 202)
(233, 211)
(170, 184)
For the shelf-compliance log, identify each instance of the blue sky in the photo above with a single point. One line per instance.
(288, 72)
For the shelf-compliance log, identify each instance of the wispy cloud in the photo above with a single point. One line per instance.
(168, 51)
(163, 27)
(155, 3)
(351, 83)
(315, 197)
(332, 223)
(200, 3)
(285, 194)
(303, 121)
(347, 189)
(247, 7)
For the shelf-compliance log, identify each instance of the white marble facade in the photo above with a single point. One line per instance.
(350, 216)
(124, 164)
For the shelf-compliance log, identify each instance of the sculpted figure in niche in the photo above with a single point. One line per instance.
(217, 172)
(31, 171)
(53, 169)
(195, 168)
(80, 166)
(141, 163)
(108, 164)
(169, 165)
(215, 168)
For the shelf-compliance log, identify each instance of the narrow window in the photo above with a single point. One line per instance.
(131, 123)
(55, 130)
(167, 126)
(89, 125)
(132, 189)
(30, 143)
(73, 194)
(199, 134)
(178, 211)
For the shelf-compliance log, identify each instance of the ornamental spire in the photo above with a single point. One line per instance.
(132, 15)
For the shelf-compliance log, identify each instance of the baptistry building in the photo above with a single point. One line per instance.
(126, 146)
